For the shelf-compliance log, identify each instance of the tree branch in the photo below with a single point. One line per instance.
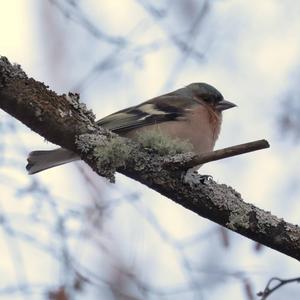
(66, 122)
(196, 160)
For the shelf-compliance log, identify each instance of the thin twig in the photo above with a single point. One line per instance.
(218, 154)
(232, 151)
(267, 291)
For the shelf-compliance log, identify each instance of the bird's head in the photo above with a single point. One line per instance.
(208, 94)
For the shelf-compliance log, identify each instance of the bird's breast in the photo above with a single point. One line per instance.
(200, 127)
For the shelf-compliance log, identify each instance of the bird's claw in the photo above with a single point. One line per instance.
(192, 178)
(205, 178)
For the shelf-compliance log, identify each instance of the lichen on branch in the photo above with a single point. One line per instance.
(108, 153)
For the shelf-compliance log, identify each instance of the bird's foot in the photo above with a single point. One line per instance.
(192, 178)
(205, 178)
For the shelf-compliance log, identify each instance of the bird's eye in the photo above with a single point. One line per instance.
(212, 99)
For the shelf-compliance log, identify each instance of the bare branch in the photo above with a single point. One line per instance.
(195, 160)
(280, 282)
(64, 121)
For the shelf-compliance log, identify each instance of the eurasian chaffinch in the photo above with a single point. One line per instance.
(192, 113)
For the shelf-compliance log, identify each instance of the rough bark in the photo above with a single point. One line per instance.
(64, 121)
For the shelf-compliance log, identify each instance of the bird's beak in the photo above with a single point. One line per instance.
(224, 104)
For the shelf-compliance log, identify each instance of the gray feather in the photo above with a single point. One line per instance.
(43, 160)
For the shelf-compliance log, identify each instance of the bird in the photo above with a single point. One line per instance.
(192, 113)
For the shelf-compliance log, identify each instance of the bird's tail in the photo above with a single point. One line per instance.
(43, 160)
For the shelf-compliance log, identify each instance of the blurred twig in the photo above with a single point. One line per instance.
(280, 282)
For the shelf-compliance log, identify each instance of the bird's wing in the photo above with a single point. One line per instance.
(161, 109)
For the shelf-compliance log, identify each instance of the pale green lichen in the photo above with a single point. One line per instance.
(86, 142)
(238, 219)
(108, 153)
(73, 99)
(113, 153)
(162, 143)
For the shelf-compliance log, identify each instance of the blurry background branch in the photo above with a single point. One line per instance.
(274, 284)
(60, 120)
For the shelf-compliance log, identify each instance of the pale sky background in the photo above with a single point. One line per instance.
(251, 54)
